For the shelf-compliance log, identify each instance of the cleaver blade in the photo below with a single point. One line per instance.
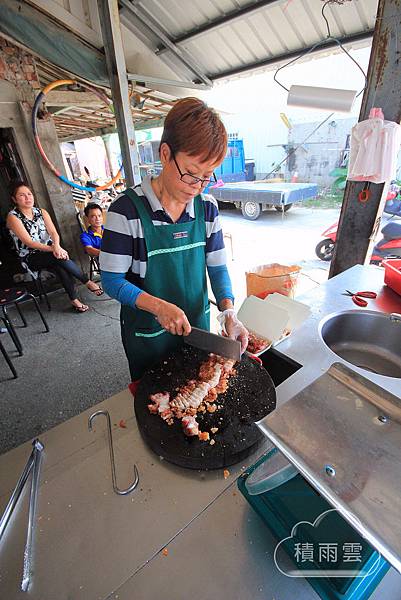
(210, 342)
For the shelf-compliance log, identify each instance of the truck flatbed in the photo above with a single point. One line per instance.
(254, 196)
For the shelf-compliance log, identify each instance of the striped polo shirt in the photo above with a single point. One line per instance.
(124, 246)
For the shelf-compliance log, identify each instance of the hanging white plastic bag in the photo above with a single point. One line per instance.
(374, 149)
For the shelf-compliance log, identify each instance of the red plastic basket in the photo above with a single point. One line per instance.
(392, 274)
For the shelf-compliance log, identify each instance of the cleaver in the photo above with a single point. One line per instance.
(210, 342)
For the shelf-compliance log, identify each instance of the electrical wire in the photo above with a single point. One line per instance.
(329, 37)
(291, 152)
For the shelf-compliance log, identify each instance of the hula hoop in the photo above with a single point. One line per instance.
(39, 99)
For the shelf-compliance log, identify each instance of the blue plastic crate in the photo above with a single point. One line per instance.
(296, 501)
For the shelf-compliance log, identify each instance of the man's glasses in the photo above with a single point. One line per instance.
(191, 179)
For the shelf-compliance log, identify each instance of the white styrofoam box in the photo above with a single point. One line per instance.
(298, 312)
(263, 319)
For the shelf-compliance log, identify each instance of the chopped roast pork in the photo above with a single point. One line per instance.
(190, 425)
(195, 396)
(161, 405)
(256, 344)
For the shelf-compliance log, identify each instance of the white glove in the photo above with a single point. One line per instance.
(233, 327)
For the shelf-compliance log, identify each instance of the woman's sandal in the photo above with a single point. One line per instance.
(98, 291)
(80, 309)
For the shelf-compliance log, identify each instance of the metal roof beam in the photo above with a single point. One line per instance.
(136, 77)
(113, 47)
(358, 37)
(70, 137)
(140, 13)
(229, 18)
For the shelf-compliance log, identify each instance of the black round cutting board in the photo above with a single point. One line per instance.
(250, 397)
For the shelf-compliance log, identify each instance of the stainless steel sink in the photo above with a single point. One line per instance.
(367, 339)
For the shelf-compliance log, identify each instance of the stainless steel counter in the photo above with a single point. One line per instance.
(305, 345)
(89, 540)
(93, 544)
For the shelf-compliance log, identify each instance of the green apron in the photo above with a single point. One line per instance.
(176, 272)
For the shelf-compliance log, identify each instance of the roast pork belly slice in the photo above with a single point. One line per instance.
(195, 395)
(193, 398)
(161, 405)
(161, 401)
(190, 425)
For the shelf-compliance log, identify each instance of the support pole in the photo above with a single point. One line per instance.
(111, 33)
(106, 142)
(359, 222)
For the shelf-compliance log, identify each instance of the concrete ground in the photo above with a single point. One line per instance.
(286, 239)
(81, 361)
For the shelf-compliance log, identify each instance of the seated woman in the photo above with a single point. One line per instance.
(92, 238)
(38, 243)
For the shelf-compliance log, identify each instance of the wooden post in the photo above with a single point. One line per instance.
(359, 222)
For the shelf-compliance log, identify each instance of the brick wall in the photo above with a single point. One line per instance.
(17, 66)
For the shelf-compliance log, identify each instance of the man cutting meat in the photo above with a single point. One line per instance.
(163, 235)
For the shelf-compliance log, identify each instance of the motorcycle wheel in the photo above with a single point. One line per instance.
(325, 250)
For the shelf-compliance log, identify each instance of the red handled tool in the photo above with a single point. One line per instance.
(358, 297)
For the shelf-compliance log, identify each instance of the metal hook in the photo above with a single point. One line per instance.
(113, 466)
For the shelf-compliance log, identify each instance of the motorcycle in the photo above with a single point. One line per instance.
(325, 248)
(388, 247)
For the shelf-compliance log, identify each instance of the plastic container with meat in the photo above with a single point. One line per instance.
(257, 344)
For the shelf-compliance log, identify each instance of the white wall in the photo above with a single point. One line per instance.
(263, 138)
(321, 153)
(92, 154)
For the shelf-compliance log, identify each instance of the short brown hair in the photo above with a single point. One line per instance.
(194, 128)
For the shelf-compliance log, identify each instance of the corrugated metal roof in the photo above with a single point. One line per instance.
(198, 40)
(233, 35)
